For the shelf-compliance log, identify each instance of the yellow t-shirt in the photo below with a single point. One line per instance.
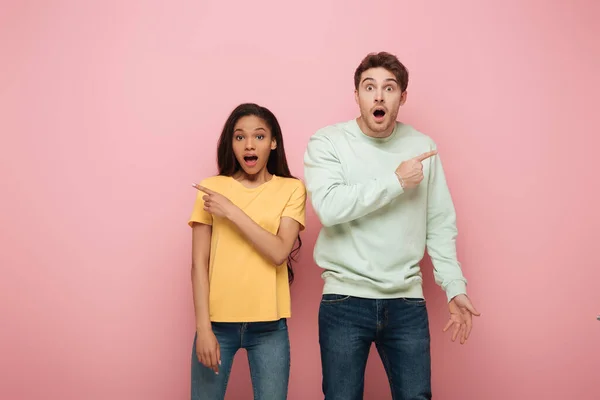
(244, 286)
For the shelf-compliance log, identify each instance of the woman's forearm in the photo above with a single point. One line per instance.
(200, 290)
(271, 246)
(201, 237)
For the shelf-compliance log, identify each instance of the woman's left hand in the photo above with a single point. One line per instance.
(216, 203)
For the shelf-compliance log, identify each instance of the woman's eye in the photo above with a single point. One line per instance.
(389, 88)
(239, 137)
(260, 137)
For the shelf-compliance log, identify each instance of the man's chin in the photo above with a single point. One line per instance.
(381, 126)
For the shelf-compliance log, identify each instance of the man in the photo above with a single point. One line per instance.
(379, 189)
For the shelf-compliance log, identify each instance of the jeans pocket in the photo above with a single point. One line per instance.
(334, 298)
(414, 300)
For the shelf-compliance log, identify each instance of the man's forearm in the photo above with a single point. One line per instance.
(335, 201)
(441, 247)
(338, 203)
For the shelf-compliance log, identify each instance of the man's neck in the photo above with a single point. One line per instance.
(378, 135)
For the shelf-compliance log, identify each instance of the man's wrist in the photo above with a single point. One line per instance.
(455, 288)
(400, 179)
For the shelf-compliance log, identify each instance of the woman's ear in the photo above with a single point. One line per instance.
(273, 144)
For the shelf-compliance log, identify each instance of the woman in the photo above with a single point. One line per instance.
(245, 223)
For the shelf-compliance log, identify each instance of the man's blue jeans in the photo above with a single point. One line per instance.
(398, 327)
(268, 347)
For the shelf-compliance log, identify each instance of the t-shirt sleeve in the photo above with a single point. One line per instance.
(296, 206)
(199, 215)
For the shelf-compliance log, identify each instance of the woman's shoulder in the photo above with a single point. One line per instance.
(292, 186)
(291, 183)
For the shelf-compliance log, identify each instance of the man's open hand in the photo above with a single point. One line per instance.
(461, 317)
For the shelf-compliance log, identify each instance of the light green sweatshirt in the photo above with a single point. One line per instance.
(374, 233)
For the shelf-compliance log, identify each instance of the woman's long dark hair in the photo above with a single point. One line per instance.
(276, 165)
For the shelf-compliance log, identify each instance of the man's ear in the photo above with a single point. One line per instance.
(403, 97)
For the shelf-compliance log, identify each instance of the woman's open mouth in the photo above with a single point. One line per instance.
(250, 160)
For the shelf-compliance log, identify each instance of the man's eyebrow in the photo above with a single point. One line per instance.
(385, 80)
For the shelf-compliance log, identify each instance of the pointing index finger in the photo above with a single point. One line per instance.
(425, 156)
(202, 189)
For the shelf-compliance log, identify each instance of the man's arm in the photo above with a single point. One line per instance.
(442, 232)
(334, 200)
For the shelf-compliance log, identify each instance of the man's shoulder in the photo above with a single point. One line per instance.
(334, 131)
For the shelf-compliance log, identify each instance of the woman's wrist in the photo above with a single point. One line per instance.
(233, 214)
(203, 326)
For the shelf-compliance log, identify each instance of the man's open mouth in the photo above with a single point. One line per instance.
(379, 113)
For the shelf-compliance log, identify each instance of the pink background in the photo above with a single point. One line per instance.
(109, 110)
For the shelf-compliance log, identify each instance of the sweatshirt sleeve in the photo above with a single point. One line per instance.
(442, 232)
(333, 199)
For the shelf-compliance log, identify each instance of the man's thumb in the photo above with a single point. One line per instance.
(472, 309)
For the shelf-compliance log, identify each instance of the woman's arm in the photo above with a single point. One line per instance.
(207, 347)
(201, 234)
(276, 248)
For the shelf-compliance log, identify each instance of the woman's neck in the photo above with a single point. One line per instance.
(253, 180)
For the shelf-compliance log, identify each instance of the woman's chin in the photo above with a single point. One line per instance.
(252, 169)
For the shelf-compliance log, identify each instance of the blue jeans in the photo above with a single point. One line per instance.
(268, 347)
(398, 327)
